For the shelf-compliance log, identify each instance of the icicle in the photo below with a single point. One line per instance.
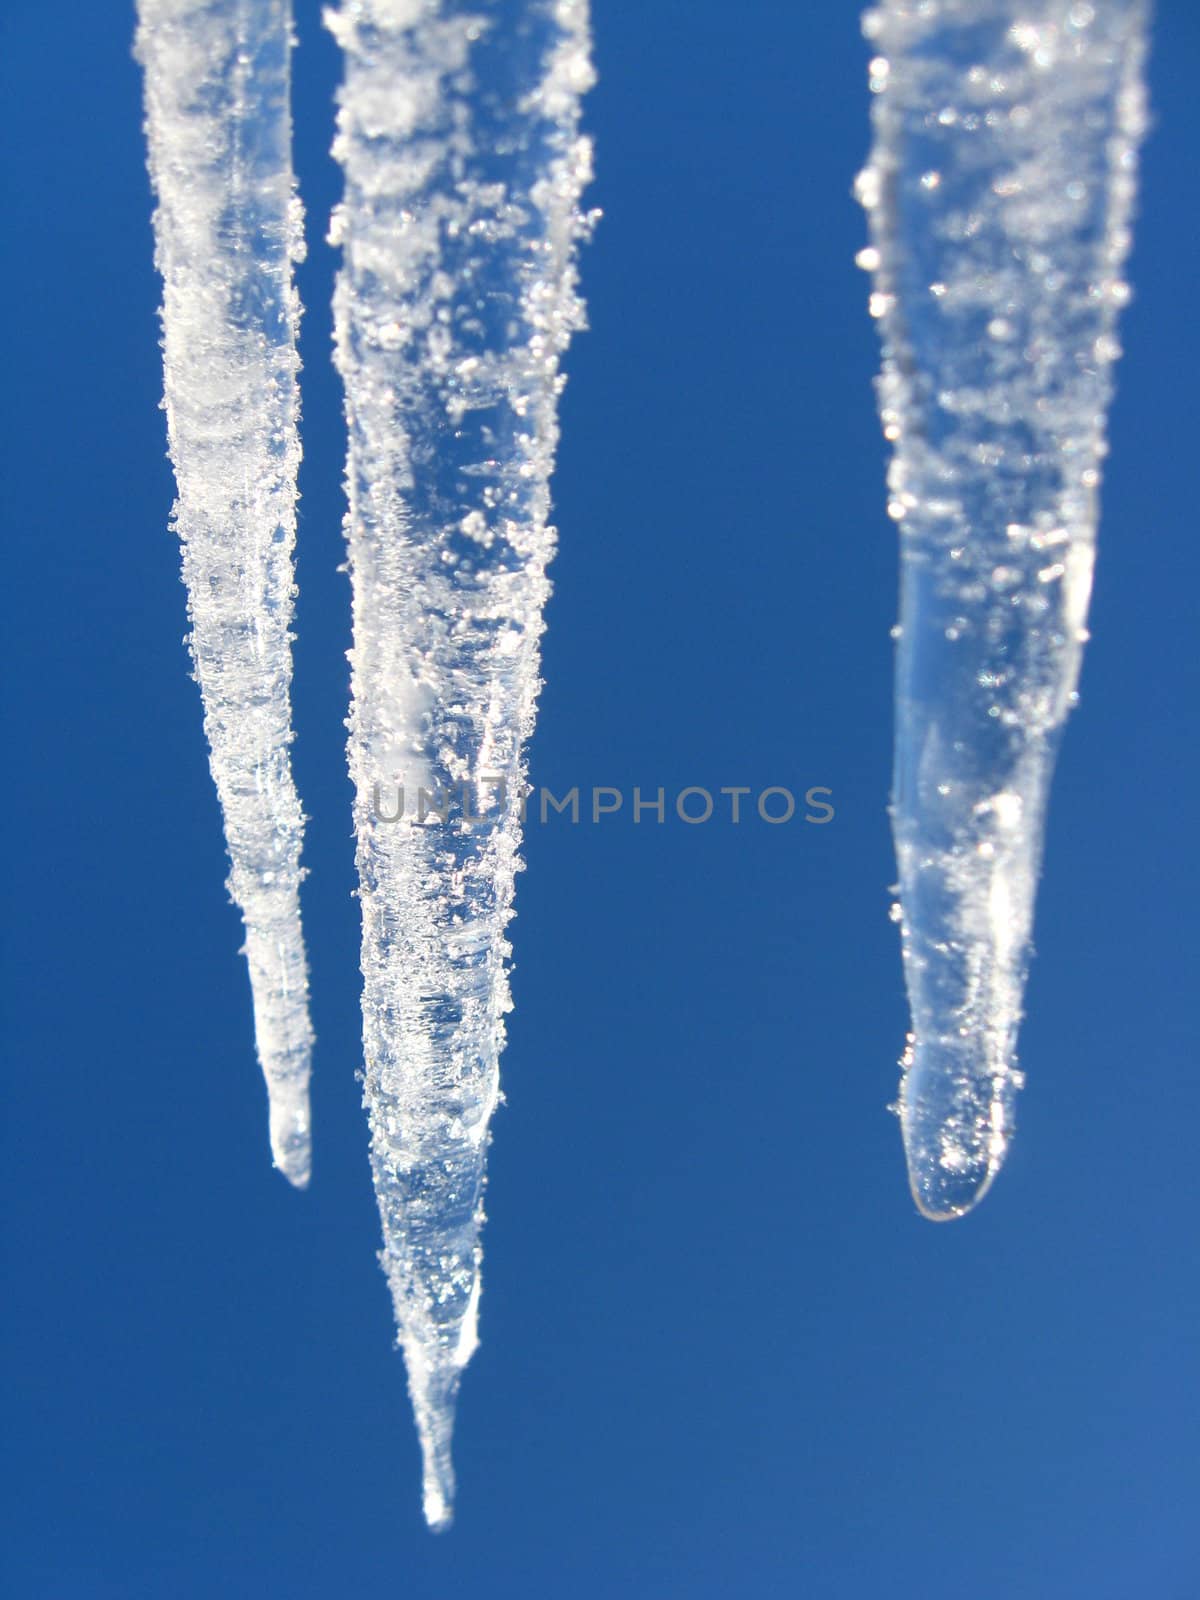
(999, 194)
(463, 168)
(227, 229)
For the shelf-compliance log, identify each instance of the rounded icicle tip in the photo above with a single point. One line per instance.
(291, 1139)
(943, 1195)
(437, 1481)
(957, 1122)
(439, 1511)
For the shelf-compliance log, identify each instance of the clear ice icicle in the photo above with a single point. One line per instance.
(999, 193)
(227, 228)
(458, 135)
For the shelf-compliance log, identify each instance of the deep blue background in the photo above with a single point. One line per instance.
(721, 1356)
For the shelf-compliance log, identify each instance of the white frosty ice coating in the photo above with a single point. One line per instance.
(999, 194)
(463, 167)
(227, 229)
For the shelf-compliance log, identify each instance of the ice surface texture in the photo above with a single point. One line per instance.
(227, 229)
(463, 165)
(999, 193)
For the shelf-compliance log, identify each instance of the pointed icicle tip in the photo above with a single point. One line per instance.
(434, 1393)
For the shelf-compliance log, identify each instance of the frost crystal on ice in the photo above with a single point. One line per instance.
(457, 133)
(999, 194)
(227, 229)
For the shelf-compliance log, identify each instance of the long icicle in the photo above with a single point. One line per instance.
(463, 168)
(999, 193)
(227, 229)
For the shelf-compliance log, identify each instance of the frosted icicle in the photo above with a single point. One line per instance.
(227, 228)
(463, 168)
(999, 194)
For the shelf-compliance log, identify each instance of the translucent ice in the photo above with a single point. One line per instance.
(463, 166)
(999, 193)
(227, 229)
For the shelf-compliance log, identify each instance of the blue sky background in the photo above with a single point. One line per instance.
(722, 1356)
